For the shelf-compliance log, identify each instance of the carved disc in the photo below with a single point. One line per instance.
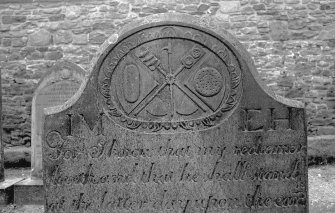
(170, 78)
(208, 82)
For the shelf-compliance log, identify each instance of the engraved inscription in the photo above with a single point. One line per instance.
(146, 167)
(266, 119)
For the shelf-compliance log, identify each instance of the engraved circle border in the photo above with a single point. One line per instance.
(156, 126)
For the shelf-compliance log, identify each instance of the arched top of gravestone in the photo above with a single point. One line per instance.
(172, 71)
(61, 71)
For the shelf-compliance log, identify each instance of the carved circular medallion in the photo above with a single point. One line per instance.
(170, 78)
(208, 82)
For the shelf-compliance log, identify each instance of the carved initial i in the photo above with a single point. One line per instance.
(96, 128)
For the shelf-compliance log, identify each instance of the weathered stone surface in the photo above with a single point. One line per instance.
(63, 37)
(326, 130)
(58, 17)
(279, 31)
(292, 1)
(13, 19)
(229, 6)
(56, 87)
(29, 192)
(174, 119)
(40, 38)
(54, 55)
(80, 39)
(97, 37)
(72, 12)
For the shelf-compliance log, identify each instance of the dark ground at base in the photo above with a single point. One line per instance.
(321, 190)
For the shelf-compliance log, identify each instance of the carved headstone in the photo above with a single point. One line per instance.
(57, 86)
(174, 119)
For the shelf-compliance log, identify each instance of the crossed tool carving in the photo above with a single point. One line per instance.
(149, 62)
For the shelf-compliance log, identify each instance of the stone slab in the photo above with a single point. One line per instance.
(57, 86)
(29, 192)
(174, 118)
(7, 190)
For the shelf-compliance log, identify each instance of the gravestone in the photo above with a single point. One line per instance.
(57, 86)
(174, 119)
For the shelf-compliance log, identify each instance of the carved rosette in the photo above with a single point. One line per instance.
(170, 78)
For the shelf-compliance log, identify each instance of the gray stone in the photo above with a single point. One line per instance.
(63, 37)
(80, 39)
(58, 17)
(29, 192)
(7, 190)
(229, 6)
(13, 19)
(58, 85)
(279, 31)
(97, 37)
(54, 55)
(326, 130)
(40, 38)
(174, 118)
(292, 1)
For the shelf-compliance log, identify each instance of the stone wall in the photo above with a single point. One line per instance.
(291, 42)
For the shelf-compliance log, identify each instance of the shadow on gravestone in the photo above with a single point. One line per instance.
(173, 118)
(57, 86)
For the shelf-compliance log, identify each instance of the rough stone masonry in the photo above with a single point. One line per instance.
(173, 118)
(291, 42)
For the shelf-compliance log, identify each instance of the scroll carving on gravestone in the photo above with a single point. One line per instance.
(58, 85)
(173, 118)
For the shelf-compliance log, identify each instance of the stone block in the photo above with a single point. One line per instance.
(13, 19)
(279, 31)
(326, 130)
(58, 17)
(292, 1)
(54, 55)
(40, 38)
(7, 190)
(62, 37)
(29, 192)
(229, 6)
(19, 42)
(80, 39)
(97, 37)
